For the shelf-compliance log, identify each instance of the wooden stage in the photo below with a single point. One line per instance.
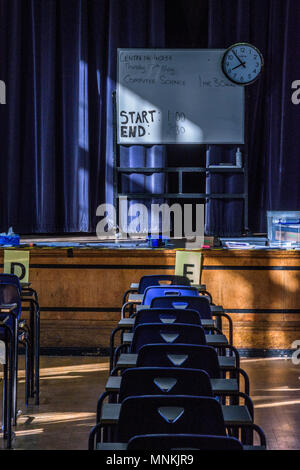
(80, 292)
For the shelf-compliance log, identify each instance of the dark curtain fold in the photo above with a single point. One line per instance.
(272, 138)
(134, 156)
(58, 59)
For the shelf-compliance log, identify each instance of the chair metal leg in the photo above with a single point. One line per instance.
(15, 371)
(32, 341)
(10, 395)
(35, 344)
(28, 361)
(27, 370)
(5, 391)
(37, 354)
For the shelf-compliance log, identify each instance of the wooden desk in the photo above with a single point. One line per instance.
(81, 290)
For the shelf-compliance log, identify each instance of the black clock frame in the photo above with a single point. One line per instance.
(230, 49)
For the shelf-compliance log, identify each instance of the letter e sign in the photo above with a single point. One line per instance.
(188, 264)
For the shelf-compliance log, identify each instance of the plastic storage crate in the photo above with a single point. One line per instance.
(284, 229)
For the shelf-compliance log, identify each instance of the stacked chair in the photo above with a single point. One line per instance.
(175, 378)
(14, 331)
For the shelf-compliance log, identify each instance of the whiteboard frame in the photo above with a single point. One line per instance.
(139, 49)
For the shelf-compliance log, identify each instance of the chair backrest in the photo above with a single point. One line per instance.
(159, 279)
(199, 303)
(180, 355)
(164, 333)
(164, 381)
(10, 291)
(183, 442)
(167, 315)
(175, 414)
(11, 279)
(166, 291)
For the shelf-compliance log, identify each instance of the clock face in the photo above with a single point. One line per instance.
(242, 63)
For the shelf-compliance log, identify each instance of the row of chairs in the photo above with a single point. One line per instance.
(175, 378)
(15, 331)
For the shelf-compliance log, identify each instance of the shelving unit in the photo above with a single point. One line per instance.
(180, 194)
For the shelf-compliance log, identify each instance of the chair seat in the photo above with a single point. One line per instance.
(218, 385)
(216, 340)
(216, 308)
(127, 322)
(227, 362)
(134, 285)
(234, 415)
(113, 383)
(135, 298)
(224, 385)
(129, 360)
(110, 413)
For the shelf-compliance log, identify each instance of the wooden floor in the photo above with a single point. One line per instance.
(70, 387)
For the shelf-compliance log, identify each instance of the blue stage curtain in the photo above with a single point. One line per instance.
(58, 59)
(272, 134)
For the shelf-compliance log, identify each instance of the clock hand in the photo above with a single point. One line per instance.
(242, 63)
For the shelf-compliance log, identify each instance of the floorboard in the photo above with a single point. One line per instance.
(70, 387)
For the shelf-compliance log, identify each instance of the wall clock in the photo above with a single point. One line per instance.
(242, 63)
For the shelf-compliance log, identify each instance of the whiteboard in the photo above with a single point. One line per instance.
(177, 96)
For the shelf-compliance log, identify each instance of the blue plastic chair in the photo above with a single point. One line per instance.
(198, 303)
(10, 293)
(157, 280)
(156, 333)
(183, 442)
(188, 356)
(170, 415)
(160, 381)
(166, 291)
(7, 338)
(164, 380)
(177, 414)
(167, 315)
(163, 316)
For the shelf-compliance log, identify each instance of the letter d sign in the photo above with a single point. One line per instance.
(17, 262)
